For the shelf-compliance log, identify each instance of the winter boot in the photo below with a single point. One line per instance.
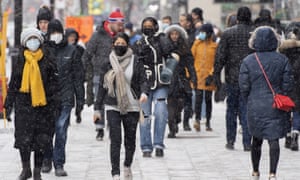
(288, 140)
(197, 125)
(47, 166)
(37, 174)
(208, 127)
(294, 142)
(100, 134)
(26, 171)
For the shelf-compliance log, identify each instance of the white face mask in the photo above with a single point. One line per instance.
(57, 38)
(127, 32)
(33, 44)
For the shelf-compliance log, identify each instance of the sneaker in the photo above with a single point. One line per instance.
(186, 127)
(127, 173)
(100, 134)
(229, 146)
(116, 177)
(272, 177)
(288, 140)
(171, 135)
(78, 119)
(60, 172)
(159, 152)
(255, 176)
(147, 154)
(46, 166)
(197, 125)
(247, 148)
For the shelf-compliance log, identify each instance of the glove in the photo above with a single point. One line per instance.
(97, 115)
(209, 80)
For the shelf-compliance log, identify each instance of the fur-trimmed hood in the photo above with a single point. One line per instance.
(264, 38)
(176, 27)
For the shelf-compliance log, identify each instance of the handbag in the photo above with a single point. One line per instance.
(281, 102)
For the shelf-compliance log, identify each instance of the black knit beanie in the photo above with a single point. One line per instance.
(55, 26)
(44, 14)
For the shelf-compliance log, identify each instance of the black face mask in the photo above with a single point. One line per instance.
(120, 50)
(148, 31)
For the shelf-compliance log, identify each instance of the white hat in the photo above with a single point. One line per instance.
(31, 32)
(176, 27)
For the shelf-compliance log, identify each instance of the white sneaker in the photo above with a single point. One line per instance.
(255, 176)
(116, 177)
(272, 178)
(127, 173)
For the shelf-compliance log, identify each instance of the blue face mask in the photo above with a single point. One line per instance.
(33, 44)
(201, 36)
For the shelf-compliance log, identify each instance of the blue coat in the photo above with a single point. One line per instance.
(264, 122)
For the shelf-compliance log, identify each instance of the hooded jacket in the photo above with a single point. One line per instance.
(293, 53)
(264, 121)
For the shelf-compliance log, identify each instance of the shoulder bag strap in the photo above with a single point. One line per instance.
(266, 77)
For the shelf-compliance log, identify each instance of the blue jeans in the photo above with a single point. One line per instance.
(296, 121)
(61, 128)
(159, 97)
(236, 106)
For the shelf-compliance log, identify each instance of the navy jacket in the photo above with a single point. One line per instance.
(264, 121)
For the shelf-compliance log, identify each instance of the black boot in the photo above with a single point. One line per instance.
(47, 166)
(37, 174)
(288, 140)
(100, 135)
(294, 142)
(26, 171)
(208, 127)
(186, 126)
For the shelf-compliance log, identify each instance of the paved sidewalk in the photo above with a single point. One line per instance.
(191, 156)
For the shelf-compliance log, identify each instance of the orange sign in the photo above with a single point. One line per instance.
(83, 25)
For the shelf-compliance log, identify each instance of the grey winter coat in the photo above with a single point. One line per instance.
(264, 121)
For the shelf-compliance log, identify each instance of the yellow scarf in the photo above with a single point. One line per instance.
(32, 80)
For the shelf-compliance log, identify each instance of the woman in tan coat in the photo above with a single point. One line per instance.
(203, 50)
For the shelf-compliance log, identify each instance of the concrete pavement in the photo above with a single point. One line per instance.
(191, 156)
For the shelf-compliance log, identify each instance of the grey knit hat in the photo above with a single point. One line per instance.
(176, 27)
(31, 32)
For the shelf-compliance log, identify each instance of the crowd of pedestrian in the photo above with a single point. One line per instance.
(151, 78)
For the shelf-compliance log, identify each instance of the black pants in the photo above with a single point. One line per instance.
(274, 152)
(188, 109)
(38, 157)
(175, 106)
(208, 102)
(129, 121)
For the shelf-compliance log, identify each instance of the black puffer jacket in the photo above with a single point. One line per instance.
(232, 49)
(152, 51)
(71, 74)
(264, 121)
(139, 85)
(34, 126)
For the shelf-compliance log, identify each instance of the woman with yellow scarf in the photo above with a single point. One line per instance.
(32, 90)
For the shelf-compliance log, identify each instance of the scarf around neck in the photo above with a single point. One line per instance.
(31, 80)
(114, 79)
